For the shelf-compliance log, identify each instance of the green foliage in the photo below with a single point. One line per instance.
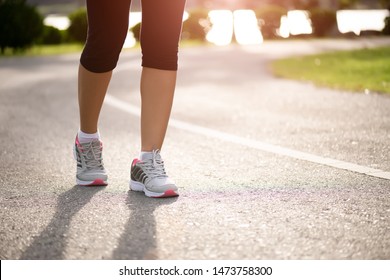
(386, 30)
(20, 25)
(323, 21)
(51, 36)
(44, 50)
(136, 29)
(197, 25)
(78, 27)
(269, 18)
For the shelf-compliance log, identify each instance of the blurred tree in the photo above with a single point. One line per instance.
(323, 21)
(136, 29)
(78, 25)
(51, 36)
(386, 29)
(197, 25)
(343, 4)
(269, 18)
(312, 4)
(20, 25)
(303, 4)
(385, 4)
(290, 4)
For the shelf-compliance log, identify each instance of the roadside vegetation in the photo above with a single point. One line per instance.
(22, 31)
(42, 50)
(366, 70)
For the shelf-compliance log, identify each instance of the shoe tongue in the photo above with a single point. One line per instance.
(93, 142)
(149, 156)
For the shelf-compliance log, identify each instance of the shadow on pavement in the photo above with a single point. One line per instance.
(51, 243)
(138, 240)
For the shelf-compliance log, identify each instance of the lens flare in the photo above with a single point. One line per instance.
(368, 20)
(221, 32)
(246, 28)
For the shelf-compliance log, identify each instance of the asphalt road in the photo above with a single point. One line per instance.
(240, 199)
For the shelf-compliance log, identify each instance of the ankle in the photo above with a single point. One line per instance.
(87, 137)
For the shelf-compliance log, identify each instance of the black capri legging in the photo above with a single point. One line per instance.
(108, 26)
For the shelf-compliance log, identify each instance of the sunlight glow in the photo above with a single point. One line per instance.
(246, 28)
(299, 22)
(284, 29)
(59, 22)
(368, 20)
(221, 32)
(243, 23)
(296, 22)
(186, 15)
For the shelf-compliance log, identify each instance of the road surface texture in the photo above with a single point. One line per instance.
(267, 168)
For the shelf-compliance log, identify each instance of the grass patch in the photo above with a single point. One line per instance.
(41, 50)
(358, 70)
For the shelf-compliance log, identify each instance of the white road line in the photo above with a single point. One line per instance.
(133, 110)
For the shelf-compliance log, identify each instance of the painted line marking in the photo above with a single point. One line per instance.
(339, 164)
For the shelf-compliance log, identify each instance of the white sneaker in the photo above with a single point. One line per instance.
(148, 175)
(90, 168)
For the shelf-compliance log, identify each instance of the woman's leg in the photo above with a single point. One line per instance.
(92, 88)
(157, 90)
(160, 34)
(107, 30)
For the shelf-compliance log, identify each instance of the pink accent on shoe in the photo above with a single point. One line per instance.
(77, 141)
(168, 193)
(98, 182)
(135, 161)
(79, 144)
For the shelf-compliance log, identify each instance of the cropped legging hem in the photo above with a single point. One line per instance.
(108, 27)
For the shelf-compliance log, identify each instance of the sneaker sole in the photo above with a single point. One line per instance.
(96, 182)
(139, 187)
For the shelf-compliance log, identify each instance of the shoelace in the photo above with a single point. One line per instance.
(92, 154)
(154, 167)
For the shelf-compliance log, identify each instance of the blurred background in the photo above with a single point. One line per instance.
(25, 23)
(269, 168)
